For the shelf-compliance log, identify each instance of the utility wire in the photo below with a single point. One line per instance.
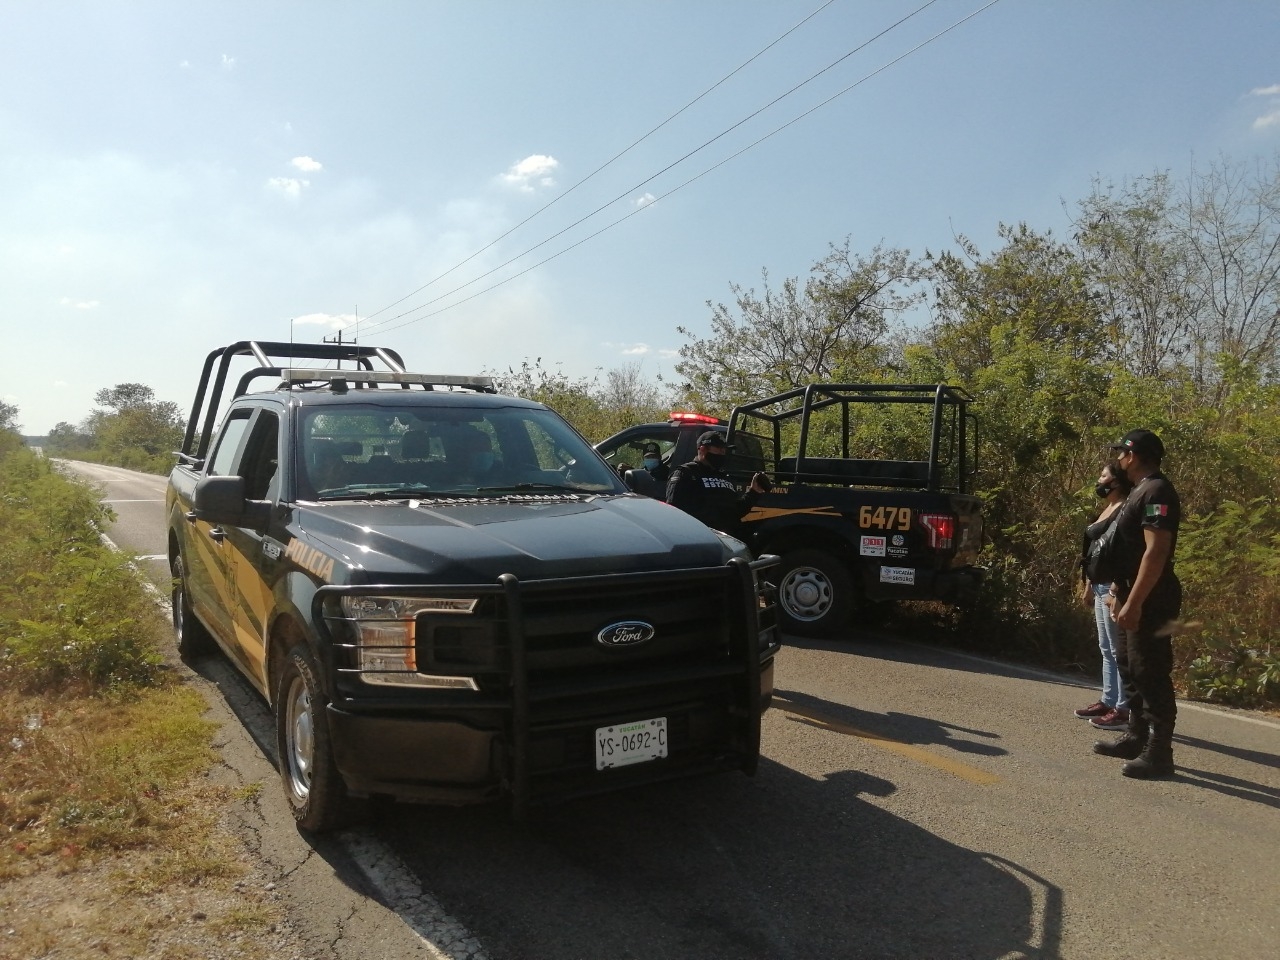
(609, 162)
(693, 179)
(646, 181)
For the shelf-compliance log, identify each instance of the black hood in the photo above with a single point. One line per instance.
(475, 541)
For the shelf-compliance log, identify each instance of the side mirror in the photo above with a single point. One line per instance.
(222, 500)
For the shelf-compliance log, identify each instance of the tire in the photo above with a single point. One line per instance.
(313, 786)
(189, 634)
(815, 593)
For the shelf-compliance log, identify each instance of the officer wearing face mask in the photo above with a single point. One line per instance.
(653, 464)
(701, 489)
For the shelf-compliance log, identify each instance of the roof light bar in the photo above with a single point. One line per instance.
(681, 417)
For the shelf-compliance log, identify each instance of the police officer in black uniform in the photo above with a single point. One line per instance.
(1148, 597)
(655, 465)
(701, 488)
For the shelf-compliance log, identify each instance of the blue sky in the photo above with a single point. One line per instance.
(178, 176)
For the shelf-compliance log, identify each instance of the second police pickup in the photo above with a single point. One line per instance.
(873, 492)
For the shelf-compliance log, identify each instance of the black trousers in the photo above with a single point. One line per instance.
(1145, 658)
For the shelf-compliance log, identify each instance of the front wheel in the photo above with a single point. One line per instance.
(189, 634)
(313, 786)
(815, 593)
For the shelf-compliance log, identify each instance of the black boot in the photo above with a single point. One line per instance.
(1131, 745)
(1156, 759)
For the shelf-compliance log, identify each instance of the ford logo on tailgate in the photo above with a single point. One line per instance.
(628, 633)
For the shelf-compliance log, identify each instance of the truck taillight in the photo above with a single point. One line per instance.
(942, 529)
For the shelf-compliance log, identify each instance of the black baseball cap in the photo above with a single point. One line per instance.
(1142, 442)
(651, 448)
(712, 438)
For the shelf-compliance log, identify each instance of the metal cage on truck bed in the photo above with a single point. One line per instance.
(785, 422)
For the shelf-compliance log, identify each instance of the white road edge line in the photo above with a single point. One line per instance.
(398, 887)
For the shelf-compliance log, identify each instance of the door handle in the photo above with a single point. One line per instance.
(191, 516)
(217, 533)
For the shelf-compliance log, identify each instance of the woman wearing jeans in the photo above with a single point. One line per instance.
(1111, 711)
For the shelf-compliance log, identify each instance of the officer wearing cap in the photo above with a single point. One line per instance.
(702, 489)
(1148, 597)
(654, 464)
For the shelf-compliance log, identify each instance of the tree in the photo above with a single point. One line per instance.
(1232, 224)
(1190, 275)
(65, 438)
(124, 396)
(1139, 264)
(834, 327)
(9, 417)
(136, 428)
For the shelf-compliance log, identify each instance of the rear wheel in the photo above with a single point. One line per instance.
(189, 634)
(313, 786)
(815, 593)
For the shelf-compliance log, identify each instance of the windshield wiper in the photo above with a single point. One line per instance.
(395, 493)
(558, 487)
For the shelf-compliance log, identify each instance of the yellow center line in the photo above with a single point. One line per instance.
(945, 764)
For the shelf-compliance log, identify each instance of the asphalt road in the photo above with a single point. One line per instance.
(911, 802)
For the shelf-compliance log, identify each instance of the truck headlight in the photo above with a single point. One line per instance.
(386, 638)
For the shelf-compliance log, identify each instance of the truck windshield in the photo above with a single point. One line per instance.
(376, 450)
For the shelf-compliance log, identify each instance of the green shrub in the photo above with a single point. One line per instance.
(1229, 564)
(72, 612)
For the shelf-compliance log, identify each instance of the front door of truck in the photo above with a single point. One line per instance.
(250, 553)
(205, 556)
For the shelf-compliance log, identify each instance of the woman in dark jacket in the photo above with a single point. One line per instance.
(1111, 712)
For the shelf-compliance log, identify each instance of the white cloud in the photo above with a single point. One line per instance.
(289, 186)
(668, 353)
(228, 62)
(532, 170)
(306, 164)
(334, 321)
(1271, 119)
(184, 64)
(1271, 91)
(79, 304)
(644, 200)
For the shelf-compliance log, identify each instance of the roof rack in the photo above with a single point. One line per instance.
(364, 376)
(296, 375)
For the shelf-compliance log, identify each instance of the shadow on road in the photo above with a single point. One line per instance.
(777, 867)
(932, 652)
(780, 867)
(900, 727)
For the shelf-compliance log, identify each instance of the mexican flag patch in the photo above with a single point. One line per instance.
(1157, 509)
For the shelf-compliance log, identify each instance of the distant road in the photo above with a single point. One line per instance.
(912, 802)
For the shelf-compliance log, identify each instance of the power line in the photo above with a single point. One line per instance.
(686, 183)
(650, 179)
(609, 162)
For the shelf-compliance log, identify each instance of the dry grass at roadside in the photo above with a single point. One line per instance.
(113, 843)
(113, 840)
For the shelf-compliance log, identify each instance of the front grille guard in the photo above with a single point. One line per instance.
(752, 630)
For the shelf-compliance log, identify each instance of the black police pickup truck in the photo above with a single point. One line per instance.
(872, 499)
(445, 595)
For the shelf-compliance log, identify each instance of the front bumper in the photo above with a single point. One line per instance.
(529, 732)
(438, 758)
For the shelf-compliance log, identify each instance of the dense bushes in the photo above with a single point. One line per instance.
(73, 614)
